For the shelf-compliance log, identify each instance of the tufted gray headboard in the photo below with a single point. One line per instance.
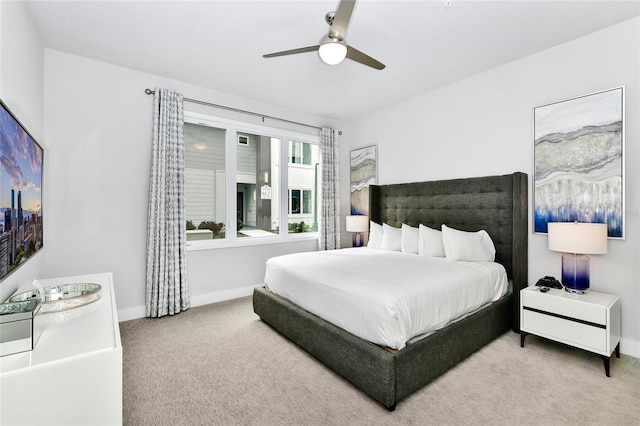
(497, 204)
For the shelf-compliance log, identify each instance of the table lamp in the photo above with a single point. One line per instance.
(358, 225)
(576, 240)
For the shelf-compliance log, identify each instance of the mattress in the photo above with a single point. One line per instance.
(384, 297)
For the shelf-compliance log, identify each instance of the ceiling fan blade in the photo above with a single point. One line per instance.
(341, 20)
(292, 51)
(356, 55)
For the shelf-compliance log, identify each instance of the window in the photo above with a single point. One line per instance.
(300, 152)
(235, 189)
(303, 183)
(306, 201)
(258, 201)
(295, 204)
(205, 182)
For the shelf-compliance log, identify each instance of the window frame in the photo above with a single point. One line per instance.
(232, 129)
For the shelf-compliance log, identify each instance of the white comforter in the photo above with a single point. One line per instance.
(381, 296)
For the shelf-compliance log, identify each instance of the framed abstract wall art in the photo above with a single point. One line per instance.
(579, 161)
(363, 172)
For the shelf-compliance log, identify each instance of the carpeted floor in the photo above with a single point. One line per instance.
(220, 365)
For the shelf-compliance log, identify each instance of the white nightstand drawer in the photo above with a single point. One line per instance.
(563, 303)
(584, 336)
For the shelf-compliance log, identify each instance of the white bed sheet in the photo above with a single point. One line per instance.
(381, 296)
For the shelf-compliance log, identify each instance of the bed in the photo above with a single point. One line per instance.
(497, 204)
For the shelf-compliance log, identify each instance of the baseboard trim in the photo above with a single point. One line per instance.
(202, 299)
(630, 347)
(131, 313)
(221, 296)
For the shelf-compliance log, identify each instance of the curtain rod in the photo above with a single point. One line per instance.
(196, 101)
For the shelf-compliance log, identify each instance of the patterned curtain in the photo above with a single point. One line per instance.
(330, 205)
(167, 292)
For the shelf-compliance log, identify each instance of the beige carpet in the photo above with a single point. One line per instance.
(220, 365)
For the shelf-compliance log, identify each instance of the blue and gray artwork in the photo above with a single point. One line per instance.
(578, 162)
(363, 174)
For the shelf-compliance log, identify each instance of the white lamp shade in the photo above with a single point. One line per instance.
(357, 223)
(574, 237)
(332, 52)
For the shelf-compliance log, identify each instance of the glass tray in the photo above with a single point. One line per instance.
(62, 297)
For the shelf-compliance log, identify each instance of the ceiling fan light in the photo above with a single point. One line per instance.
(332, 52)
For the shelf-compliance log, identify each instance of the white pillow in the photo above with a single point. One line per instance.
(469, 246)
(391, 238)
(430, 242)
(409, 242)
(375, 235)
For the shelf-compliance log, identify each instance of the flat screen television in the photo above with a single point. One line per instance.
(21, 160)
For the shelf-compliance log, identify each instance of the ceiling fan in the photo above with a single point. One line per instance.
(333, 47)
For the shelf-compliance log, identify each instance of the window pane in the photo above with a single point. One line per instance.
(295, 149)
(204, 181)
(306, 201)
(306, 153)
(258, 187)
(295, 201)
(304, 181)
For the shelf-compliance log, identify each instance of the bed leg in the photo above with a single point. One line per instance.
(392, 407)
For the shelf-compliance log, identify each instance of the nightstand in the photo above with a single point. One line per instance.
(589, 321)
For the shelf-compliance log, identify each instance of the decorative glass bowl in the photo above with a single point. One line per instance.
(62, 297)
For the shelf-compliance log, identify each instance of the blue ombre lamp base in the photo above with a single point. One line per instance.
(357, 239)
(575, 272)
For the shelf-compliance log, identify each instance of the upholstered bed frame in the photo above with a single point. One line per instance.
(497, 204)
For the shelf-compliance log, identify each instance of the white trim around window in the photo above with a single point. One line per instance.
(233, 128)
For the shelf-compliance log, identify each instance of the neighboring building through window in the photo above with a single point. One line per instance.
(257, 192)
(205, 181)
(251, 193)
(304, 181)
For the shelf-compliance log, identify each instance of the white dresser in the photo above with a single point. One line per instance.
(73, 376)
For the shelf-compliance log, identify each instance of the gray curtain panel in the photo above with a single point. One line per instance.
(167, 292)
(330, 204)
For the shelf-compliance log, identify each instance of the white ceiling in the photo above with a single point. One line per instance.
(219, 44)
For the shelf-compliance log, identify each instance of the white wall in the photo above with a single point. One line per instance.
(98, 123)
(483, 126)
(21, 89)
